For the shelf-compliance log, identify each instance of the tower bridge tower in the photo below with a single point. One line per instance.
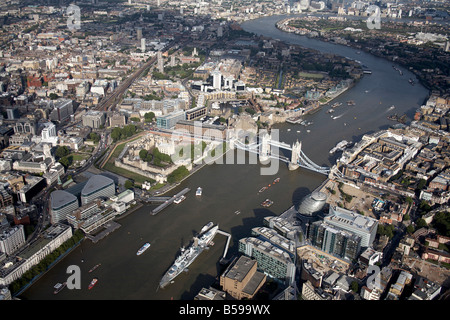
(295, 156)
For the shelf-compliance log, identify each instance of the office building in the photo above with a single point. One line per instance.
(196, 112)
(62, 111)
(335, 241)
(273, 261)
(241, 279)
(11, 239)
(275, 238)
(48, 134)
(362, 226)
(94, 119)
(62, 203)
(96, 187)
(204, 129)
(12, 113)
(169, 121)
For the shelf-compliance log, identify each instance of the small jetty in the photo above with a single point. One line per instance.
(168, 202)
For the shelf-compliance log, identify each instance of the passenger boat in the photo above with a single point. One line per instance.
(143, 248)
(267, 203)
(58, 287)
(179, 199)
(93, 283)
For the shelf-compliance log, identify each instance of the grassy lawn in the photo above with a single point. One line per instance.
(310, 75)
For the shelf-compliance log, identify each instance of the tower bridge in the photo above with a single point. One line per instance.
(298, 158)
(262, 146)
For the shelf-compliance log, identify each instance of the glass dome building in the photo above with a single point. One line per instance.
(312, 204)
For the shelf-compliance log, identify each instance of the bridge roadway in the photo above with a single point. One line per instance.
(170, 201)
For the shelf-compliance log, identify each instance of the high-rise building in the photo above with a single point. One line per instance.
(12, 113)
(335, 241)
(143, 49)
(217, 79)
(62, 111)
(272, 260)
(139, 33)
(362, 226)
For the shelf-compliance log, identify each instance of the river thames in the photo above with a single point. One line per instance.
(230, 187)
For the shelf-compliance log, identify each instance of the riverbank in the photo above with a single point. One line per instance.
(409, 56)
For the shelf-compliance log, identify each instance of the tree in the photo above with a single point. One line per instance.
(441, 222)
(53, 96)
(62, 151)
(143, 154)
(178, 174)
(65, 161)
(410, 229)
(421, 223)
(421, 184)
(149, 116)
(116, 134)
(94, 137)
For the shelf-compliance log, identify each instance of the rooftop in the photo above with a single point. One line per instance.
(350, 218)
(61, 198)
(240, 269)
(96, 183)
